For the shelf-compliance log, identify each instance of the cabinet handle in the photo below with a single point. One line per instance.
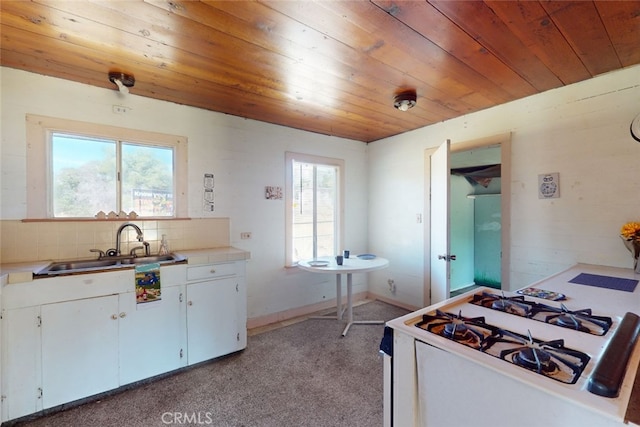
(123, 314)
(114, 317)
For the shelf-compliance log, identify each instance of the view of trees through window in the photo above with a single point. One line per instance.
(85, 174)
(314, 210)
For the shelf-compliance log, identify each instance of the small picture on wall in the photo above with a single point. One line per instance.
(273, 193)
(549, 186)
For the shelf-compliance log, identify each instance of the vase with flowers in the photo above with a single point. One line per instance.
(630, 234)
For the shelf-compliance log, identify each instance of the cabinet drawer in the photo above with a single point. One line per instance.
(211, 271)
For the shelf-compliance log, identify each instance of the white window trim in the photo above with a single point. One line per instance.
(310, 158)
(38, 130)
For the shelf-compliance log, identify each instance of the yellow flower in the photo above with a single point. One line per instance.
(631, 230)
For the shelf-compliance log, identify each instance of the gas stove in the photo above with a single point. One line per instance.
(487, 345)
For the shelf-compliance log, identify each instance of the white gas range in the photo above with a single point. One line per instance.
(493, 358)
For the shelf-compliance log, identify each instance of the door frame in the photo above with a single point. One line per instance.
(504, 141)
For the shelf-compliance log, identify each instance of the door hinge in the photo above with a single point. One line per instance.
(237, 285)
(181, 354)
(238, 337)
(39, 321)
(39, 392)
(180, 297)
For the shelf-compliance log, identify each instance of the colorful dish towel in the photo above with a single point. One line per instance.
(147, 283)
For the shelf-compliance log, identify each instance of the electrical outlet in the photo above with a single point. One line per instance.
(121, 109)
(392, 285)
(245, 235)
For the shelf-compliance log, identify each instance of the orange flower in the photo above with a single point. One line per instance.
(631, 230)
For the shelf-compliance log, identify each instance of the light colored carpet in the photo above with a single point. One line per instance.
(302, 375)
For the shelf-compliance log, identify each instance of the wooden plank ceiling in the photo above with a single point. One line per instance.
(331, 67)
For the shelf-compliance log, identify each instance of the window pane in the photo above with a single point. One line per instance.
(326, 210)
(84, 176)
(314, 210)
(147, 180)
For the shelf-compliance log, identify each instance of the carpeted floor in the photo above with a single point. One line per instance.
(301, 375)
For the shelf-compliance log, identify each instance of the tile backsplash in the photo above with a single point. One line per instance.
(66, 240)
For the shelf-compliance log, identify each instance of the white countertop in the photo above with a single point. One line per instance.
(23, 272)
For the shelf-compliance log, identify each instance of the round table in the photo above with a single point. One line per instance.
(349, 266)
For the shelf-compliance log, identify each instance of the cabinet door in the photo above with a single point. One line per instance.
(212, 319)
(152, 335)
(21, 362)
(79, 349)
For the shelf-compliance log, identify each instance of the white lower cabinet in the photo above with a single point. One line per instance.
(65, 339)
(152, 336)
(213, 326)
(79, 349)
(21, 384)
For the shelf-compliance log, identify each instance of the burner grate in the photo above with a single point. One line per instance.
(579, 320)
(551, 359)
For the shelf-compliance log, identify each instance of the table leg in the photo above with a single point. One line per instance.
(339, 296)
(350, 320)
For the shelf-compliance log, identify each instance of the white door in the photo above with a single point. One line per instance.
(440, 201)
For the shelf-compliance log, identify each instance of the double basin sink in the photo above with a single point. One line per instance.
(92, 265)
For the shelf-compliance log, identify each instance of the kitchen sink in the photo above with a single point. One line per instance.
(93, 265)
(80, 264)
(150, 259)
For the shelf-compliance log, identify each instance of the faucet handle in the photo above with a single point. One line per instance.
(132, 252)
(101, 254)
(112, 252)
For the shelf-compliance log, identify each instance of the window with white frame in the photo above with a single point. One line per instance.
(314, 196)
(77, 170)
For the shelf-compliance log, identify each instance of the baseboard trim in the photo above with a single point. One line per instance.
(282, 316)
(298, 313)
(374, 296)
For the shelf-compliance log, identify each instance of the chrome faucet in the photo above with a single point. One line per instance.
(116, 251)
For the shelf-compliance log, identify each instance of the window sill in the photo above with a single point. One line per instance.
(146, 218)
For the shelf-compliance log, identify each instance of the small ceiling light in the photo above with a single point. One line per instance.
(405, 100)
(122, 80)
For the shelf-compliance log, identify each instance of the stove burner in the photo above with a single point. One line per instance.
(579, 320)
(471, 332)
(514, 305)
(549, 358)
(570, 321)
(536, 359)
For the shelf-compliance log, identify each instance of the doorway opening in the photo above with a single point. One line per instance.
(476, 219)
(449, 248)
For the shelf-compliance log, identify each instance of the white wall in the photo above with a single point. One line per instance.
(580, 131)
(245, 156)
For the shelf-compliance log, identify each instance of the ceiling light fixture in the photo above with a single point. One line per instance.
(122, 80)
(405, 100)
